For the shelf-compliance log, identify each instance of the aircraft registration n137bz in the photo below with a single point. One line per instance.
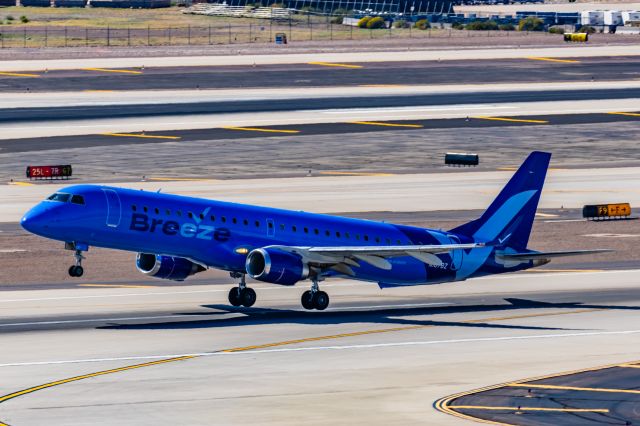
(177, 236)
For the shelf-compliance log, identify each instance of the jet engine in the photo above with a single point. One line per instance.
(276, 266)
(166, 267)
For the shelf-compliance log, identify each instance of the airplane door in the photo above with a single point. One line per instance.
(456, 255)
(271, 228)
(114, 210)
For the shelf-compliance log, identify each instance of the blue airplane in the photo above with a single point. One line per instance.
(177, 236)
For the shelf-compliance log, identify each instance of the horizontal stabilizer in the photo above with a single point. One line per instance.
(549, 255)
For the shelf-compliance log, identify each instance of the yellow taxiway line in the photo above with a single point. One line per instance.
(331, 64)
(566, 61)
(18, 183)
(110, 70)
(140, 135)
(17, 74)
(562, 410)
(630, 114)
(572, 388)
(259, 129)
(513, 120)
(378, 123)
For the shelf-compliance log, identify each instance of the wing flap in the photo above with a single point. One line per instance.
(549, 254)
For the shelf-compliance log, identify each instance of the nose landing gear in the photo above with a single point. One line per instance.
(76, 270)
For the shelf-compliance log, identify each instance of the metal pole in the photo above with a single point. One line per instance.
(46, 36)
(310, 30)
(148, 35)
(169, 36)
(229, 33)
(65, 36)
(24, 38)
(108, 36)
(209, 33)
(189, 35)
(128, 36)
(86, 36)
(289, 27)
(250, 35)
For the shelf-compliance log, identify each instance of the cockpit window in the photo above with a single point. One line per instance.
(67, 198)
(77, 199)
(59, 196)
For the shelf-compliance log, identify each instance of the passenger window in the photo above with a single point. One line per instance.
(190, 215)
(315, 231)
(327, 233)
(179, 212)
(282, 226)
(257, 223)
(377, 239)
(293, 228)
(145, 208)
(366, 238)
(358, 237)
(388, 242)
(213, 218)
(306, 230)
(168, 212)
(338, 234)
(223, 219)
(201, 216)
(346, 235)
(77, 199)
(133, 207)
(246, 222)
(157, 210)
(234, 220)
(270, 225)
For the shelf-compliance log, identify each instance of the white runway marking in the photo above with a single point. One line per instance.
(405, 305)
(414, 109)
(325, 348)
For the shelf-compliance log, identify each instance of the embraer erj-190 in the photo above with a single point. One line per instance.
(177, 236)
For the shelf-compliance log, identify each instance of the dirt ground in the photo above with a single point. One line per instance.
(31, 262)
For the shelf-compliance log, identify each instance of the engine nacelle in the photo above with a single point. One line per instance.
(166, 267)
(276, 266)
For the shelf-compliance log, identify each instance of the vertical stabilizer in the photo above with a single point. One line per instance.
(508, 220)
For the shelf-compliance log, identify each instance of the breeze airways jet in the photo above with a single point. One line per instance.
(177, 236)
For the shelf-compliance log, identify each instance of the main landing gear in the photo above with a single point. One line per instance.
(241, 295)
(314, 298)
(76, 270)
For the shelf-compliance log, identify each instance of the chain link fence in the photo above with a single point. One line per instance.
(295, 31)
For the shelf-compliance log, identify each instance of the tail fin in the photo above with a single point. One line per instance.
(508, 220)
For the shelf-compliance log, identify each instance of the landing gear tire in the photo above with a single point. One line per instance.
(234, 296)
(248, 297)
(76, 271)
(307, 300)
(320, 300)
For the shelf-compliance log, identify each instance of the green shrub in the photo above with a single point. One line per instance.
(10, 18)
(24, 19)
(556, 30)
(362, 23)
(587, 29)
(457, 26)
(375, 23)
(482, 25)
(531, 24)
(400, 24)
(423, 24)
(507, 27)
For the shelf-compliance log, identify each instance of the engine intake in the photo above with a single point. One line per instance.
(166, 267)
(276, 266)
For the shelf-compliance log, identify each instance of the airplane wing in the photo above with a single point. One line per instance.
(341, 259)
(550, 254)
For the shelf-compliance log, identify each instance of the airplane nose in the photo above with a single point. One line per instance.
(35, 220)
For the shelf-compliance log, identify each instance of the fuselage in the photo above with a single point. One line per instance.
(220, 234)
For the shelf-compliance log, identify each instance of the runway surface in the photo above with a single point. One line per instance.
(354, 56)
(155, 109)
(180, 355)
(323, 75)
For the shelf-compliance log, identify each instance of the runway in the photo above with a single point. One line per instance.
(134, 356)
(318, 74)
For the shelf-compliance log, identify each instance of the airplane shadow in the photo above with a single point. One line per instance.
(391, 316)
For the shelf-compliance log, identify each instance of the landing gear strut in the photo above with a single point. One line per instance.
(314, 298)
(77, 270)
(241, 295)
